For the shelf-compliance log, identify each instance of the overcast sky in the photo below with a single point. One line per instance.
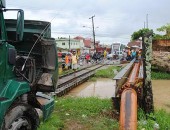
(114, 21)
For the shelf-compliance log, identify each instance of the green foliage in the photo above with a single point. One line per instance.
(136, 35)
(165, 28)
(160, 117)
(107, 72)
(158, 36)
(155, 74)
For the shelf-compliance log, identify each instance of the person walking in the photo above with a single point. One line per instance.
(133, 54)
(128, 54)
(87, 58)
(74, 62)
(66, 62)
(140, 54)
(95, 57)
(105, 54)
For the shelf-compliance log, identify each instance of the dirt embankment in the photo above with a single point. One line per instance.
(161, 60)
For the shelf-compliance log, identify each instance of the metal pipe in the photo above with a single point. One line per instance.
(128, 110)
(128, 103)
(134, 73)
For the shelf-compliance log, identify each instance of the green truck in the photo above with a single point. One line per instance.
(28, 66)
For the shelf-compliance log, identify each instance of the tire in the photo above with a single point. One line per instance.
(21, 117)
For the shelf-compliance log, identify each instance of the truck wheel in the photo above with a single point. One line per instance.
(21, 117)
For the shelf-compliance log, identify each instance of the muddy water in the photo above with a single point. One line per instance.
(103, 88)
(161, 94)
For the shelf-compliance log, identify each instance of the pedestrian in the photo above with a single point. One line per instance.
(68, 61)
(124, 55)
(74, 62)
(133, 54)
(128, 54)
(140, 54)
(95, 57)
(87, 58)
(105, 53)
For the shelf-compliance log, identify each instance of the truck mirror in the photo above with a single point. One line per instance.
(20, 25)
(2, 4)
(11, 56)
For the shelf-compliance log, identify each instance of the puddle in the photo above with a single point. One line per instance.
(103, 88)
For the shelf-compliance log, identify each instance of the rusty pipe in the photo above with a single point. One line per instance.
(128, 110)
(134, 73)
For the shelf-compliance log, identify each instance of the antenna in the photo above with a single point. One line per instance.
(35, 44)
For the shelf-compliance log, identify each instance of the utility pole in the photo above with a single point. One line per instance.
(69, 42)
(144, 25)
(93, 31)
(146, 20)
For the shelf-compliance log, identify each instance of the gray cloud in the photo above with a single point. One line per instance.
(116, 19)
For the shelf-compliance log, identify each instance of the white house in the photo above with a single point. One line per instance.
(69, 43)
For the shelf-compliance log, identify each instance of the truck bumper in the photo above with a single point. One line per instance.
(47, 104)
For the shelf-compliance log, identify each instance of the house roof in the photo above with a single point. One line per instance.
(135, 43)
(87, 43)
(79, 38)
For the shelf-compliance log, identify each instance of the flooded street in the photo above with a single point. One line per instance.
(105, 88)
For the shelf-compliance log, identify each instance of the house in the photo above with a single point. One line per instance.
(69, 44)
(87, 43)
(135, 43)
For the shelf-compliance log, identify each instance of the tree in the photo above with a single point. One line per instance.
(165, 28)
(136, 35)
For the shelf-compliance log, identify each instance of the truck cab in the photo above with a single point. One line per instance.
(29, 67)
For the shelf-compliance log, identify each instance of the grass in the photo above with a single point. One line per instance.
(107, 72)
(66, 72)
(160, 75)
(81, 113)
(96, 114)
(160, 119)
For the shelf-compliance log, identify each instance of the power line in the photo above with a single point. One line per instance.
(98, 35)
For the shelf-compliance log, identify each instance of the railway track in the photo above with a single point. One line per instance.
(71, 80)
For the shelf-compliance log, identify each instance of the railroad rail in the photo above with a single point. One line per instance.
(71, 80)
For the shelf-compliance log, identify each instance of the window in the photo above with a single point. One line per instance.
(63, 43)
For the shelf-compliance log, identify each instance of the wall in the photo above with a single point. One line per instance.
(161, 45)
